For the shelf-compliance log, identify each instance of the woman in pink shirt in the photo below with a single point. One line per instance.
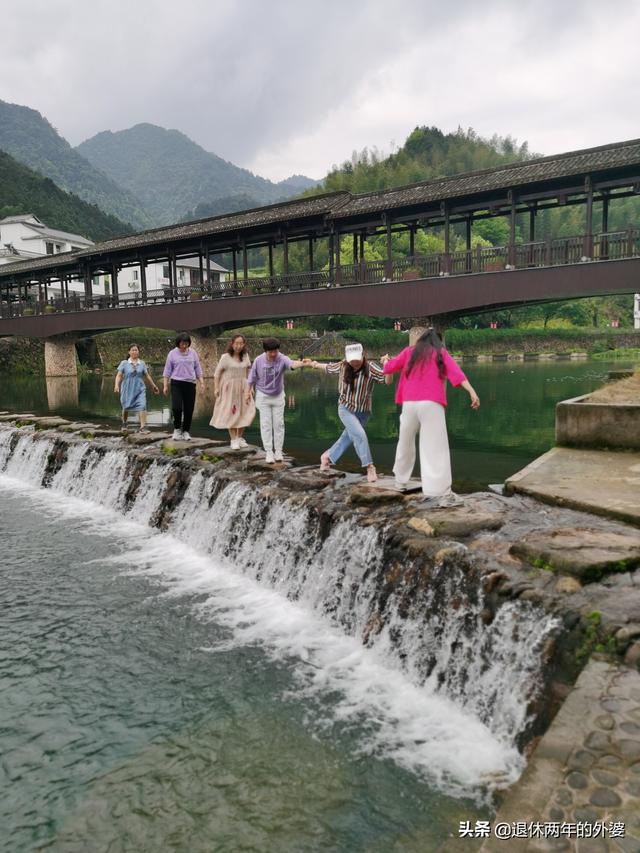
(424, 369)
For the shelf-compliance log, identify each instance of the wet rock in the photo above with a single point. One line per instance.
(51, 423)
(604, 797)
(489, 582)
(577, 780)
(630, 749)
(138, 439)
(581, 760)
(303, 483)
(605, 721)
(585, 814)
(632, 655)
(604, 777)
(598, 741)
(567, 584)
(564, 797)
(460, 521)
(587, 553)
(370, 495)
(609, 761)
(422, 525)
(78, 426)
(630, 728)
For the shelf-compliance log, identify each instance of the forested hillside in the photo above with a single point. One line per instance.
(24, 191)
(31, 140)
(172, 175)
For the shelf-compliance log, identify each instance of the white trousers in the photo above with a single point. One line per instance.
(271, 411)
(427, 418)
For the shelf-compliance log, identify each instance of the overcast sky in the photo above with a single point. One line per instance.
(291, 86)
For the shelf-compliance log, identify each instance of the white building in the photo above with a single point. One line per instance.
(26, 237)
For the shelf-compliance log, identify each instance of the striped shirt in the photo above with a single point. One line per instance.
(358, 398)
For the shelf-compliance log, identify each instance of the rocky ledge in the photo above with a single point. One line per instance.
(577, 567)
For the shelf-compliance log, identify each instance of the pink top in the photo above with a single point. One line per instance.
(423, 383)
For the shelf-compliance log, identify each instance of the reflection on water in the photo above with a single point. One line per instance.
(514, 424)
(62, 392)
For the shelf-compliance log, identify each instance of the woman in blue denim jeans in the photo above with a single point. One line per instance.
(355, 389)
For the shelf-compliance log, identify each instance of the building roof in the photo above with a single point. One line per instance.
(22, 217)
(318, 211)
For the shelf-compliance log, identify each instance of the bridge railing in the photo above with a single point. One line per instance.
(611, 245)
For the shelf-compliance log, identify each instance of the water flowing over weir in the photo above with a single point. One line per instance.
(429, 626)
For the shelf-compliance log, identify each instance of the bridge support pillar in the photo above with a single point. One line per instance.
(205, 343)
(60, 356)
(419, 325)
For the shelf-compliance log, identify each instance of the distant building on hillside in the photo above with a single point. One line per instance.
(25, 237)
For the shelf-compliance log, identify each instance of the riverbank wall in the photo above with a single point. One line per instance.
(105, 351)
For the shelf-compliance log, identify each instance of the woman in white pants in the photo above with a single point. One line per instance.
(424, 369)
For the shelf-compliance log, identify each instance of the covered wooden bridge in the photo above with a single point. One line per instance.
(36, 299)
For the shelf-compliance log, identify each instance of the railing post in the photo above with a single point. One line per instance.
(548, 260)
(629, 242)
(587, 248)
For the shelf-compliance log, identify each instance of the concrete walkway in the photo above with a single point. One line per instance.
(598, 481)
(584, 774)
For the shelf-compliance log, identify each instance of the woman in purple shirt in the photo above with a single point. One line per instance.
(183, 369)
(267, 377)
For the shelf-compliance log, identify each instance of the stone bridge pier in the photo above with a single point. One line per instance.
(204, 342)
(60, 356)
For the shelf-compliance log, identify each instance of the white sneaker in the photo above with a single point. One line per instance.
(270, 458)
(242, 443)
(186, 436)
(235, 444)
(177, 435)
(278, 456)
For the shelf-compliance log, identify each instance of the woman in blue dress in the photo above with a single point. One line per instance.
(130, 378)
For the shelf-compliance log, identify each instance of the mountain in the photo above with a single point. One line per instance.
(24, 191)
(297, 184)
(427, 153)
(226, 204)
(172, 175)
(30, 139)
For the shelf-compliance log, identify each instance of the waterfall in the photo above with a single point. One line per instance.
(433, 629)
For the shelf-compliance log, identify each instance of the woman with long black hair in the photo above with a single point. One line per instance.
(424, 369)
(355, 388)
(183, 370)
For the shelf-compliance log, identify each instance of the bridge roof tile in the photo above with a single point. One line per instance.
(511, 176)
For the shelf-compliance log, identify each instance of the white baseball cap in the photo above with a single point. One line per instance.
(353, 352)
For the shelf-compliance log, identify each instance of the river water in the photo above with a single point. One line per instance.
(153, 696)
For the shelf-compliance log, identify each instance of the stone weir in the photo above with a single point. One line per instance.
(497, 603)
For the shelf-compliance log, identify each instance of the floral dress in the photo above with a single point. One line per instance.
(231, 410)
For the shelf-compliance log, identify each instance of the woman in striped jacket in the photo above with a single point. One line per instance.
(357, 377)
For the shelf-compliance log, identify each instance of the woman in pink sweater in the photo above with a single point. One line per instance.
(424, 369)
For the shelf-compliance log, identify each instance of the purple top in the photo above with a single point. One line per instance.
(268, 376)
(185, 368)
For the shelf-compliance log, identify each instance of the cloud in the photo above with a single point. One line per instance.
(284, 86)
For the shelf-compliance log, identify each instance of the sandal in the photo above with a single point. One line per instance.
(144, 431)
(325, 462)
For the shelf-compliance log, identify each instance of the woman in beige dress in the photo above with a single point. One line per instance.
(232, 410)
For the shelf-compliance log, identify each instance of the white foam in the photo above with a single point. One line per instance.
(342, 682)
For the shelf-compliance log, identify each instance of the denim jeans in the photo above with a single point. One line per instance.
(354, 423)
